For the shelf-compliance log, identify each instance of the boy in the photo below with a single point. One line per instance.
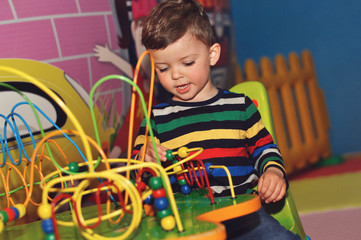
(226, 125)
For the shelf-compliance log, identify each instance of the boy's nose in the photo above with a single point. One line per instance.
(176, 74)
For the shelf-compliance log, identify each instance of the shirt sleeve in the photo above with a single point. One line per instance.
(142, 136)
(263, 152)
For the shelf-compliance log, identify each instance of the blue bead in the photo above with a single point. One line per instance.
(185, 189)
(161, 203)
(172, 179)
(149, 200)
(16, 211)
(47, 226)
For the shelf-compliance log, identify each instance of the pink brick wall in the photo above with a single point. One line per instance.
(77, 35)
(93, 6)
(36, 8)
(33, 40)
(59, 32)
(5, 10)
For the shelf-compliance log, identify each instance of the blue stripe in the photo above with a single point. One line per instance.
(235, 171)
(161, 105)
(258, 151)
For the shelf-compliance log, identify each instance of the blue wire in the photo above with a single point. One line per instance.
(6, 141)
(17, 131)
(54, 124)
(3, 151)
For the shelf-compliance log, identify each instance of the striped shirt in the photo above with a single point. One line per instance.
(229, 129)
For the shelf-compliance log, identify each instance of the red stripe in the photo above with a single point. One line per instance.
(261, 142)
(222, 152)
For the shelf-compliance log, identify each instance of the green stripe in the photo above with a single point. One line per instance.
(251, 109)
(152, 123)
(269, 159)
(205, 117)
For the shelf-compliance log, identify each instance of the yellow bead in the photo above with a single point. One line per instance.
(183, 152)
(168, 223)
(21, 208)
(177, 168)
(44, 211)
(1, 226)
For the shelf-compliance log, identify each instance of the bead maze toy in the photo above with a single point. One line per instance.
(134, 208)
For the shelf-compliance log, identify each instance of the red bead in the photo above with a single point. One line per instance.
(10, 213)
(159, 193)
(141, 186)
(180, 176)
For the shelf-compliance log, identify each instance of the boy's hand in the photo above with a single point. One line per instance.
(150, 153)
(272, 185)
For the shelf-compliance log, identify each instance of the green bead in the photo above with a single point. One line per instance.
(182, 182)
(50, 236)
(4, 216)
(163, 213)
(175, 161)
(74, 167)
(169, 155)
(132, 181)
(155, 183)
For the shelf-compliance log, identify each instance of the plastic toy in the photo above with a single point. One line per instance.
(136, 209)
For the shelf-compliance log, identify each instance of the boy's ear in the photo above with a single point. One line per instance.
(214, 53)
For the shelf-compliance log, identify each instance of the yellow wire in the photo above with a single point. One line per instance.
(229, 178)
(119, 180)
(61, 104)
(199, 151)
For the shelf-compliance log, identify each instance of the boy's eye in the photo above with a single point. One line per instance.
(162, 69)
(189, 63)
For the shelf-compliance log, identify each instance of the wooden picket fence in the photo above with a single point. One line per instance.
(298, 106)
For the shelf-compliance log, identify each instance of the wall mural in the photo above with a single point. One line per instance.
(90, 39)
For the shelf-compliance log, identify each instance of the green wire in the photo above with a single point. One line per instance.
(143, 105)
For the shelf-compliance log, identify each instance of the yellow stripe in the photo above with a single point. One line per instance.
(272, 163)
(140, 140)
(251, 132)
(204, 135)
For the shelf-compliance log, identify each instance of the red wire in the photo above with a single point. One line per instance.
(200, 173)
(210, 193)
(190, 182)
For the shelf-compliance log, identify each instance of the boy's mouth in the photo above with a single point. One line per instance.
(183, 88)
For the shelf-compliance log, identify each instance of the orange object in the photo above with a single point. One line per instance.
(298, 107)
(149, 210)
(232, 211)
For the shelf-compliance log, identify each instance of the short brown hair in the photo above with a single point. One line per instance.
(170, 20)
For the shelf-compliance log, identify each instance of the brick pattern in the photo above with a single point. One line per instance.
(59, 32)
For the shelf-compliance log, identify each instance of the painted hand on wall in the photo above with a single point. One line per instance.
(105, 54)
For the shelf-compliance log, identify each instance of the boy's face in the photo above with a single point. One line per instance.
(183, 69)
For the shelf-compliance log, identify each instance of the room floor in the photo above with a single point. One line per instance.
(328, 200)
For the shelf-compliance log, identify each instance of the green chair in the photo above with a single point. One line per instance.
(285, 210)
